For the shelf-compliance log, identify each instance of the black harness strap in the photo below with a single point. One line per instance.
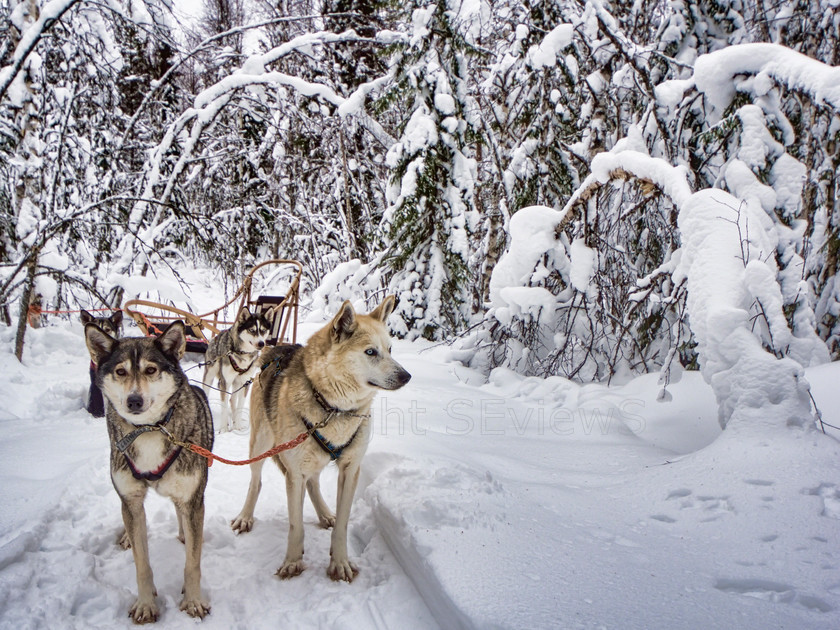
(319, 398)
(160, 471)
(123, 444)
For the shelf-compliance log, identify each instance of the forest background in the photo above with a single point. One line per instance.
(418, 147)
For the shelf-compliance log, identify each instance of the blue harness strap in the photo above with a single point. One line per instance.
(331, 449)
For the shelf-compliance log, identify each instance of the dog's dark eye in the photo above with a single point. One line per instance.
(120, 372)
(151, 370)
(371, 352)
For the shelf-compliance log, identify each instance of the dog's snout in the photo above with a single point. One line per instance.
(403, 377)
(261, 344)
(134, 402)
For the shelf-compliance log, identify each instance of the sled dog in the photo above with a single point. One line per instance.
(113, 326)
(233, 358)
(149, 397)
(325, 388)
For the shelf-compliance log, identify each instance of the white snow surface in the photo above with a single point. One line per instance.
(514, 503)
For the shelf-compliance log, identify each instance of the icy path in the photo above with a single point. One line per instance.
(517, 504)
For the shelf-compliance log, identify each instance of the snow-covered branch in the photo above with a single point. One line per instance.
(50, 13)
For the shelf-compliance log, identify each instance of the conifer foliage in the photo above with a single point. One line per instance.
(432, 179)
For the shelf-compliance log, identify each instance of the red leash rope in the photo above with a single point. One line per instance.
(209, 456)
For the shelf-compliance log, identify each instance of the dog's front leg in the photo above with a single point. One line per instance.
(237, 423)
(224, 412)
(340, 566)
(192, 517)
(293, 564)
(145, 609)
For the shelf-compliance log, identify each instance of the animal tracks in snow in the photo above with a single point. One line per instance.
(708, 507)
(776, 592)
(830, 495)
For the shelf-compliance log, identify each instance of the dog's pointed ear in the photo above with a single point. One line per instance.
(86, 317)
(271, 313)
(243, 314)
(344, 323)
(384, 310)
(99, 344)
(116, 318)
(173, 340)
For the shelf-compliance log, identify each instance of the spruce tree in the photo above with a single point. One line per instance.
(432, 183)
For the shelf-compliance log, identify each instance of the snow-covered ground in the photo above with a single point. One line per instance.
(518, 503)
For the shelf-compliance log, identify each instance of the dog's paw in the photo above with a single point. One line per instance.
(342, 570)
(123, 540)
(195, 608)
(242, 524)
(290, 570)
(144, 611)
(327, 521)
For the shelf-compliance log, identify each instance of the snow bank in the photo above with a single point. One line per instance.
(521, 503)
(735, 305)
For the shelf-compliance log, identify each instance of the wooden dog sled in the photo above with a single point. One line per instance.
(153, 317)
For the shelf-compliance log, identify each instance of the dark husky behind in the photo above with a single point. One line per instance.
(113, 326)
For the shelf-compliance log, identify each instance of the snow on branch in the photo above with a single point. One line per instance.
(717, 74)
(211, 101)
(49, 14)
(723, 269)
(651, 173)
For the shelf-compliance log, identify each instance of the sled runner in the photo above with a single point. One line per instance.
(153, 317)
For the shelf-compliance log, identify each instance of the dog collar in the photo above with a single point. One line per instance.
(236, 367)
(127, 441)
(319, 398)
(331, 449)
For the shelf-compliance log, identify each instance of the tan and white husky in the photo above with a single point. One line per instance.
(326, 388)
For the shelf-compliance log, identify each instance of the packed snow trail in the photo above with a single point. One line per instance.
(517, 503)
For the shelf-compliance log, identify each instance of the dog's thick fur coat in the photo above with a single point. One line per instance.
(144, 385)
(232, 358)
(347, 362)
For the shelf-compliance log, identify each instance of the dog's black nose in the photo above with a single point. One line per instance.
(134, 403)
(403, 377)
(260, 344)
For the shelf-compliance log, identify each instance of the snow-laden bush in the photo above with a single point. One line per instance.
(585, 292)
(593, 290)
(360, 283)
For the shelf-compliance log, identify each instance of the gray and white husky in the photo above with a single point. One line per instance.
(233, 358)
(149, 398)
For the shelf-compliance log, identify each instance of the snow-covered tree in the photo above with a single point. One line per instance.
(431, 196)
